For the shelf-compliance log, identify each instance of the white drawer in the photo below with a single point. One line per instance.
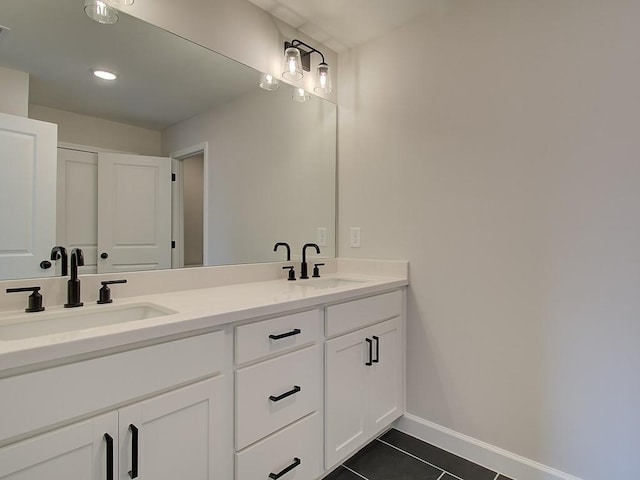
(349, 316)
(297, 447)
(259, 409)
(45, 397)
(278, 335)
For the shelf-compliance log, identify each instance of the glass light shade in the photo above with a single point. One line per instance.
(100, 12)
(292, 68)
(120, 3)
(323, 80)
(268, 82)
(299, 95)
(104, 74)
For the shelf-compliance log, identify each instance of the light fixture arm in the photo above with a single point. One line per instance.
(305, 54)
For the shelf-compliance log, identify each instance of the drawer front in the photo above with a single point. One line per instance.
(278, 335)
(297, 447)
(274, 393)
(45, 397)
(349, 316)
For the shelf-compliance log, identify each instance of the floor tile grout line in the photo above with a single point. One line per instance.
(353, 471)
(443, 474)
(418, 458)
(497, 476)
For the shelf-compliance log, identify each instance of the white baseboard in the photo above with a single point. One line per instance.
(494, 458)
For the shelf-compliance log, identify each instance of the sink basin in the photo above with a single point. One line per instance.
(329, 282)
(32, 325)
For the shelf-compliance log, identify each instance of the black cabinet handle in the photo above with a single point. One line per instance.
(133, 473)
(295, 331)
(377, 349)
(275, 476)
(109, 440)
(370, 343)
(104, 255)
(45, 264)
(293, 391)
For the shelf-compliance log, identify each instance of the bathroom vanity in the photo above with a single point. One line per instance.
(269, 379)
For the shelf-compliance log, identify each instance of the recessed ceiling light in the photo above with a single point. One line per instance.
(104, 74)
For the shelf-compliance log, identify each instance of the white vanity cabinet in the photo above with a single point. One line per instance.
(364, 381)
(160, 437)
(279, 398)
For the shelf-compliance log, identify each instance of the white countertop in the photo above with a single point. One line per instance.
(196, 309)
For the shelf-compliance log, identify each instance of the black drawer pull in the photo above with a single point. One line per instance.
(295, 331)
(133, 473)
(294, 390)
(370, 343)
(275, 476)
(377, 349)
(109, 440)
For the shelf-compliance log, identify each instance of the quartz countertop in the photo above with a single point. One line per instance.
(196, 309)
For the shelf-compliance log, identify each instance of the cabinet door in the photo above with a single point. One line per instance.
(386, 374)
(346, 393)
(176, 435)
(78, 451)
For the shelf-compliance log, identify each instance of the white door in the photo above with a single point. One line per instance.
(77, 204)
(176, 435)
(385, 375)
(346, 396)
(27, 196)
(79, 451)
(134, 208)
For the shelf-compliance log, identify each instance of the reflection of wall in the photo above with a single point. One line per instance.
(192, 178)
(96, 132)
(271, 160)
(14, 92)
(509, 164)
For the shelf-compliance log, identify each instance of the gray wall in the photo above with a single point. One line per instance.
(494, 144)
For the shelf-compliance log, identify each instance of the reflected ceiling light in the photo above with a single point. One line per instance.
(297, 61)
(268, 82)
(104, 74)
(300, 95)
(100, 12)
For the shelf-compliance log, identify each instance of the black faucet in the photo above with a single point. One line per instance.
(283, 244)
(73, 285)
(303, 266)
(58, 253)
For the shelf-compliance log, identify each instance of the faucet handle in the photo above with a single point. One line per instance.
(316, 270)
(292, 273)
(105, 291)
(35, 299)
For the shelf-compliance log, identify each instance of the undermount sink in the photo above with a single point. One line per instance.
(329, 282)
(41, 324)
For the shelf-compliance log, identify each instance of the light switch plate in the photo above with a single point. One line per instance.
(322, 237)
(354, 240)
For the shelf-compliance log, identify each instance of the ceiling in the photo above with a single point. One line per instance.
(58, 45)
(343, 24)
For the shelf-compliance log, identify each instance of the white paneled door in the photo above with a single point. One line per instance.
(27, 196)
(134, 211)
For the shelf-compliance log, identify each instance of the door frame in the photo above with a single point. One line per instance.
(177, 219)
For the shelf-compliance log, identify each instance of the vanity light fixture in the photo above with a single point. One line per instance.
(300, 95)
(268, 82)
(100, 12)
(104, 74)
(297, 61)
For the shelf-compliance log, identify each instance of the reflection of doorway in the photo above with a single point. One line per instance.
(189, 207)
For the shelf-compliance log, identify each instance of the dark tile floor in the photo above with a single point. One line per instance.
(397, 456)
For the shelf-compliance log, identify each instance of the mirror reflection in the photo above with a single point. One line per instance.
(180, 161)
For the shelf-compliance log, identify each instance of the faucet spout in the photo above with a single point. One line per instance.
(60, 253)
(303, 267)
(283, 244)
(73, 285)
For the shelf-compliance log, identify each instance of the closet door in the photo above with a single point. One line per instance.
(27, 196)
(79, 451)
(134, 212)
